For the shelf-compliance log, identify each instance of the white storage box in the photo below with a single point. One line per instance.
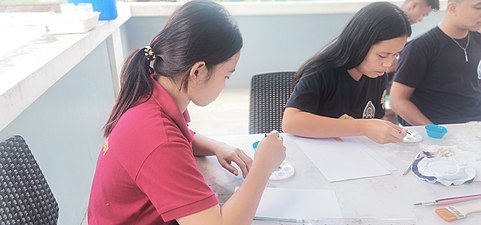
(70, 23)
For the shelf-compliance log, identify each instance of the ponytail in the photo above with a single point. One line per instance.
(135, 83)
(197, 31)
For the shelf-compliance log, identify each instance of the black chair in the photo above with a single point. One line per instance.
(268, 96)
(25, 197)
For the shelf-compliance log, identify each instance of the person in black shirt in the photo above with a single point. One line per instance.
(416, 10)
(437, 80)
(341, 90)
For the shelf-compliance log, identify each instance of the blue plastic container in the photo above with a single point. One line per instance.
(107, 8)
(255, 144)
(435, 131)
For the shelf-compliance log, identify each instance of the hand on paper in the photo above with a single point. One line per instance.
(271, 151)
(230, 154)
(382, 131)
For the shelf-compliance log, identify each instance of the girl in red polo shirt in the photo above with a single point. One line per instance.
(146, 171)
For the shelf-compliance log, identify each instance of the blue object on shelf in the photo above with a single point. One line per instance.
(107, 8)
(435, 131)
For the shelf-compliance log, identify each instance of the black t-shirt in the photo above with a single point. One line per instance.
(447, 87)
(334, 92)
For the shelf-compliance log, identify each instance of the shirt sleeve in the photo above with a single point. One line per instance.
(187, 120)
(412, 66)
(306, 95)
(172, 182)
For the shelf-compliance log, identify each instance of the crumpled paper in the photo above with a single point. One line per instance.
(445, 170)
(471, 158)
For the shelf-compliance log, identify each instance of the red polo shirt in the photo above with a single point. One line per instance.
(146, 171)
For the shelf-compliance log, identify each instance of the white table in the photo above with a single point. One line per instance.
(387, 197)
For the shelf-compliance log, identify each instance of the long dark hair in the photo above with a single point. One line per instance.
(375, 22)
(197, 31)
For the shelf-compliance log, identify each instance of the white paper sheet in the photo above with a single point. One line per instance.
(298, 204)
(339, 161)
(383, 162)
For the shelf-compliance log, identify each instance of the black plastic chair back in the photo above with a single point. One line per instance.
(268, 96)
(25, 197)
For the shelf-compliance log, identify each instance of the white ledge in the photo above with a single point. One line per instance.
(265, 8)
(26, 73)
(259, 8)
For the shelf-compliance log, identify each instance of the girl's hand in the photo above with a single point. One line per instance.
(271, 151)
(383, 131)
(228, 154)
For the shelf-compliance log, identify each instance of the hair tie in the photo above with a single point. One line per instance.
(149, 53)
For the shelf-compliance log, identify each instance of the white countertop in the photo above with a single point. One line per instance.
(380, 197)
(27, 72)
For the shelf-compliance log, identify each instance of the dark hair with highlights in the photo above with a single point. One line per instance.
(197, 31)
(375, 22)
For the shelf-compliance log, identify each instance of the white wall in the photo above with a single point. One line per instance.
(63, 128)
(271, 42)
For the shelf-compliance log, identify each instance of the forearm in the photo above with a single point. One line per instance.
(314, 126)
(204, 146)
(241, 207)
(409, 112)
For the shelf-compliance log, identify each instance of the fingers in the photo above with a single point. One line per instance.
(399, 134)
(275, 133)
(244, 162)
(247, 159)
(387, 132)
(271, 151)
(399, 129)
(395, 133)
(390, 138)
(230, 168)
(241, 159)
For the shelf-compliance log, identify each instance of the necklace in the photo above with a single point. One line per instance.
(463, 48)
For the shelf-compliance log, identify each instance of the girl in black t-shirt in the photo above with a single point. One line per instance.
(340, 91)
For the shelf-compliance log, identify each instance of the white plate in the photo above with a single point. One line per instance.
(412, 137)
(284, 171)
(445, 170)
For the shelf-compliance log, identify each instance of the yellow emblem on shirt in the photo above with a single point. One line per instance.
(106, 146)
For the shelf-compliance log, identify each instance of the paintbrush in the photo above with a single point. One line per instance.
(452, 213)
(452, 200)
(406, 171)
